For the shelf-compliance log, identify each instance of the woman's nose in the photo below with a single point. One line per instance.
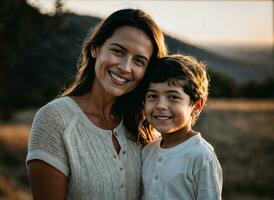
(125, 65)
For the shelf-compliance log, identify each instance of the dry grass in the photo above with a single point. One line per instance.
(241, 131)
(14, 137)
(242, 105)
(246, 116)
(13, 146)
(10, 191)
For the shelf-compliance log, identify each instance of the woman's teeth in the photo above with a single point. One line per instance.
(118, 78)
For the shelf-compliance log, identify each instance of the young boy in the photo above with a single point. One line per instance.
(180, 164)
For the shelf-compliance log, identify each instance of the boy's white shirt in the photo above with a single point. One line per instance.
(189, 170)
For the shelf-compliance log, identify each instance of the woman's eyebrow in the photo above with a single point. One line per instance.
(118, 45)
(125, 49)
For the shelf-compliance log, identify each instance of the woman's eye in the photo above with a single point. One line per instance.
(140, 62)
(117, 52)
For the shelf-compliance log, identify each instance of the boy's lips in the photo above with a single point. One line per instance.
(162, 117)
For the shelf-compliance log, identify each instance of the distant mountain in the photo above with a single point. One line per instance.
(259, 54)
(52, 44)
(239, 69)
(68, 36)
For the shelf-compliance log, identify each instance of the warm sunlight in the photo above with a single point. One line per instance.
(199, 22)
(69, 127)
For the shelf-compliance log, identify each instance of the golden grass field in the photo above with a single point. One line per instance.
(241, 131)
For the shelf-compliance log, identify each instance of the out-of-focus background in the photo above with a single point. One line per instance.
(40, 42)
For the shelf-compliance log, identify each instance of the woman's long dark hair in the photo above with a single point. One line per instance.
(127, 105)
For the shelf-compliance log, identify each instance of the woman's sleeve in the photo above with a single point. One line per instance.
(46, 139)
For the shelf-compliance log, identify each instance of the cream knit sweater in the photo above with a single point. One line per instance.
(63, 136)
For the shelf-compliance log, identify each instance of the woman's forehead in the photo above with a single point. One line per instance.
(131, 38)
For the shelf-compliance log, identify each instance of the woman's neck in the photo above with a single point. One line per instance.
(98, 104)
(98, 107)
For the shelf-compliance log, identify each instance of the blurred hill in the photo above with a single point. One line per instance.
(39, 55)
(260, 54)
(237, 67)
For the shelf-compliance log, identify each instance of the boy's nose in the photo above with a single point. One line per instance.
(161, 105)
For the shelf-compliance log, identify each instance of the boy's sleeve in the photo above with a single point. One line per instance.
(46, 139)
(209, 181)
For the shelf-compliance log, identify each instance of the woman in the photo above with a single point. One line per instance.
(83, 145)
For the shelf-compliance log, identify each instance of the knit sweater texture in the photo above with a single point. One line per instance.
(64, 137)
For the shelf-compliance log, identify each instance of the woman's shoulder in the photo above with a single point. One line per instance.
(58, 104)
(56, 108)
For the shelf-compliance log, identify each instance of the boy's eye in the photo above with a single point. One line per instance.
(151, 96)
(173, 98)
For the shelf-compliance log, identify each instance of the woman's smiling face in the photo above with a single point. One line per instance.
(122, 60)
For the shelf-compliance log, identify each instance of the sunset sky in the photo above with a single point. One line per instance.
(198, 22)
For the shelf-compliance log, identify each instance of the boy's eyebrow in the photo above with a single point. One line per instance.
(125, 49)
(172, 91)
(168, 91)
(151, 90)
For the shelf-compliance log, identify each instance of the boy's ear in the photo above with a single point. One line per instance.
(198, 106)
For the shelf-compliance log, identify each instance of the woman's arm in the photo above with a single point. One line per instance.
(46, 181)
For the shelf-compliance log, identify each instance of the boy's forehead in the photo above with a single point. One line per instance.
(164, 86)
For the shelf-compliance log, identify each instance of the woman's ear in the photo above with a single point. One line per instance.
(198, 106)
(94, 52)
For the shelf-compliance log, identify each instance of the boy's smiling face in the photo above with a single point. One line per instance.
(168, 108)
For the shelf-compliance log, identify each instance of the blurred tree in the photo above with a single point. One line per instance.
(18, 23)
(258, 89)
(222, 85)
(59, 7)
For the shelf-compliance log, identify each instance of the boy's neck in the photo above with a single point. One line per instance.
(174, 139)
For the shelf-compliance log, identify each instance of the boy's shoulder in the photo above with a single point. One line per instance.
(201, 148)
